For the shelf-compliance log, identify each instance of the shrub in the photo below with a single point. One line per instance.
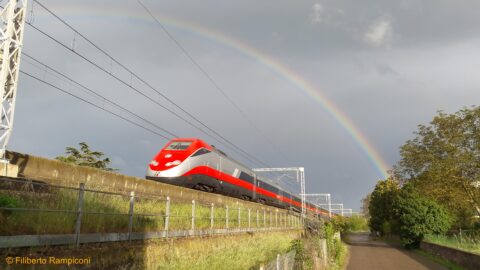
(418, 216)
(8, 202)
(381, 202)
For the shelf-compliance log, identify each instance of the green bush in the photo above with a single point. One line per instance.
(9, 201)
(418, 216)
(381, 202)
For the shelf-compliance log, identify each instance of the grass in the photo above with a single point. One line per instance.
(341, 255)
(469, 243)
(149, 213)
(446, 263)
(234, 252)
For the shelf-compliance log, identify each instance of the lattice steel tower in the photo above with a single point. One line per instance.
(12, 25)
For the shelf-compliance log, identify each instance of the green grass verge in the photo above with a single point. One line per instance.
(470, 243)
(446, 263)
(235, 252)
(149, 214)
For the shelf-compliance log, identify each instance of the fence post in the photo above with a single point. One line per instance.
(248, 218)
(264, 219)
(193, 215)
(78, 224)
(270, 213)
(257, 218)
(130, 215)
(226, 216)
(239, 217)
(211, 216)
(276, 219)
(278, 262)
(167, 216)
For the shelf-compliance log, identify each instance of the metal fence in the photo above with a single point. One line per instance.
(34, 213)
(282, 262)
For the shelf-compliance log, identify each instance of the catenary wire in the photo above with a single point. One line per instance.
(232, 147)
(93, 104)
(209, 77)
(143, 81)
(61, 75)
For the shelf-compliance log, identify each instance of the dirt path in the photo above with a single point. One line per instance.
(368, 254)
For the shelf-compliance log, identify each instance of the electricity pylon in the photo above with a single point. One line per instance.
(12, 25)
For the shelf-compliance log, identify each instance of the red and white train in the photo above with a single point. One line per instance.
(192, 163)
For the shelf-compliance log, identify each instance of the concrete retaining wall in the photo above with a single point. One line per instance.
(462, 258)
(59, 173)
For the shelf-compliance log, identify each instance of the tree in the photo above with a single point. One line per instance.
(365, 203)
(418, 216)
(443, 162)
(381, 206)
(85, 157)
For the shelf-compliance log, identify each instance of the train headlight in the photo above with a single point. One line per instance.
(176, 162)
(154, 163)
(168, 155)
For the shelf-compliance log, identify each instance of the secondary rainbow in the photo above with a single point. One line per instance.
(243, 48)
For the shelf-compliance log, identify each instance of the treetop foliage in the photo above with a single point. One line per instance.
(85, 157)
(443, 162)
(381, 204)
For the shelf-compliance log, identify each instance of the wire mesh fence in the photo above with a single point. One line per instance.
(35, 208)
(281, 262)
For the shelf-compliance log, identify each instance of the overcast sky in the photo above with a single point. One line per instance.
(387, 65)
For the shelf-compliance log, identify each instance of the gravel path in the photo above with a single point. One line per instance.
(369, 254)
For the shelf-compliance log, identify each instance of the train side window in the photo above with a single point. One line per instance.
(247, 177)
(270, 188)
(201, 151)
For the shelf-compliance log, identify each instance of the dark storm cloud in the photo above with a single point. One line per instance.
(389, 65)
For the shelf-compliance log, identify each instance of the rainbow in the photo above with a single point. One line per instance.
(258, 56)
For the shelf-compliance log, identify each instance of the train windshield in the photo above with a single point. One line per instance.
(178, 145)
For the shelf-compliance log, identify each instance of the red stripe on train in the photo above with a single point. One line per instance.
(238, 182)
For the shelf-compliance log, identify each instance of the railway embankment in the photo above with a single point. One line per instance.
(62, 210)
(59, 173)
(248, 251)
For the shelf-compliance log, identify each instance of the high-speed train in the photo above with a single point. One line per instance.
(192, 163)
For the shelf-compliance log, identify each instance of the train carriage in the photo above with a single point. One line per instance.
(192, 163)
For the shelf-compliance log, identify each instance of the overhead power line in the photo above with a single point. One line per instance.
(80, 86)
(207, 75)
(93, 104)
(236, 148)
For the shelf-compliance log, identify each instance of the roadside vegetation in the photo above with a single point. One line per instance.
(433, 193)
(109, 213)
(310, 250)
(234, 252)
(463, 241)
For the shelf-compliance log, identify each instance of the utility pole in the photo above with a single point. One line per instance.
(11, 40)
(300, 178)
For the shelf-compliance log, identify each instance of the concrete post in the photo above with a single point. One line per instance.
(226, 216)
(193, 215)
(211, 216)
(239, 217)
(78, 223)
(167, 215)
(130, 215)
